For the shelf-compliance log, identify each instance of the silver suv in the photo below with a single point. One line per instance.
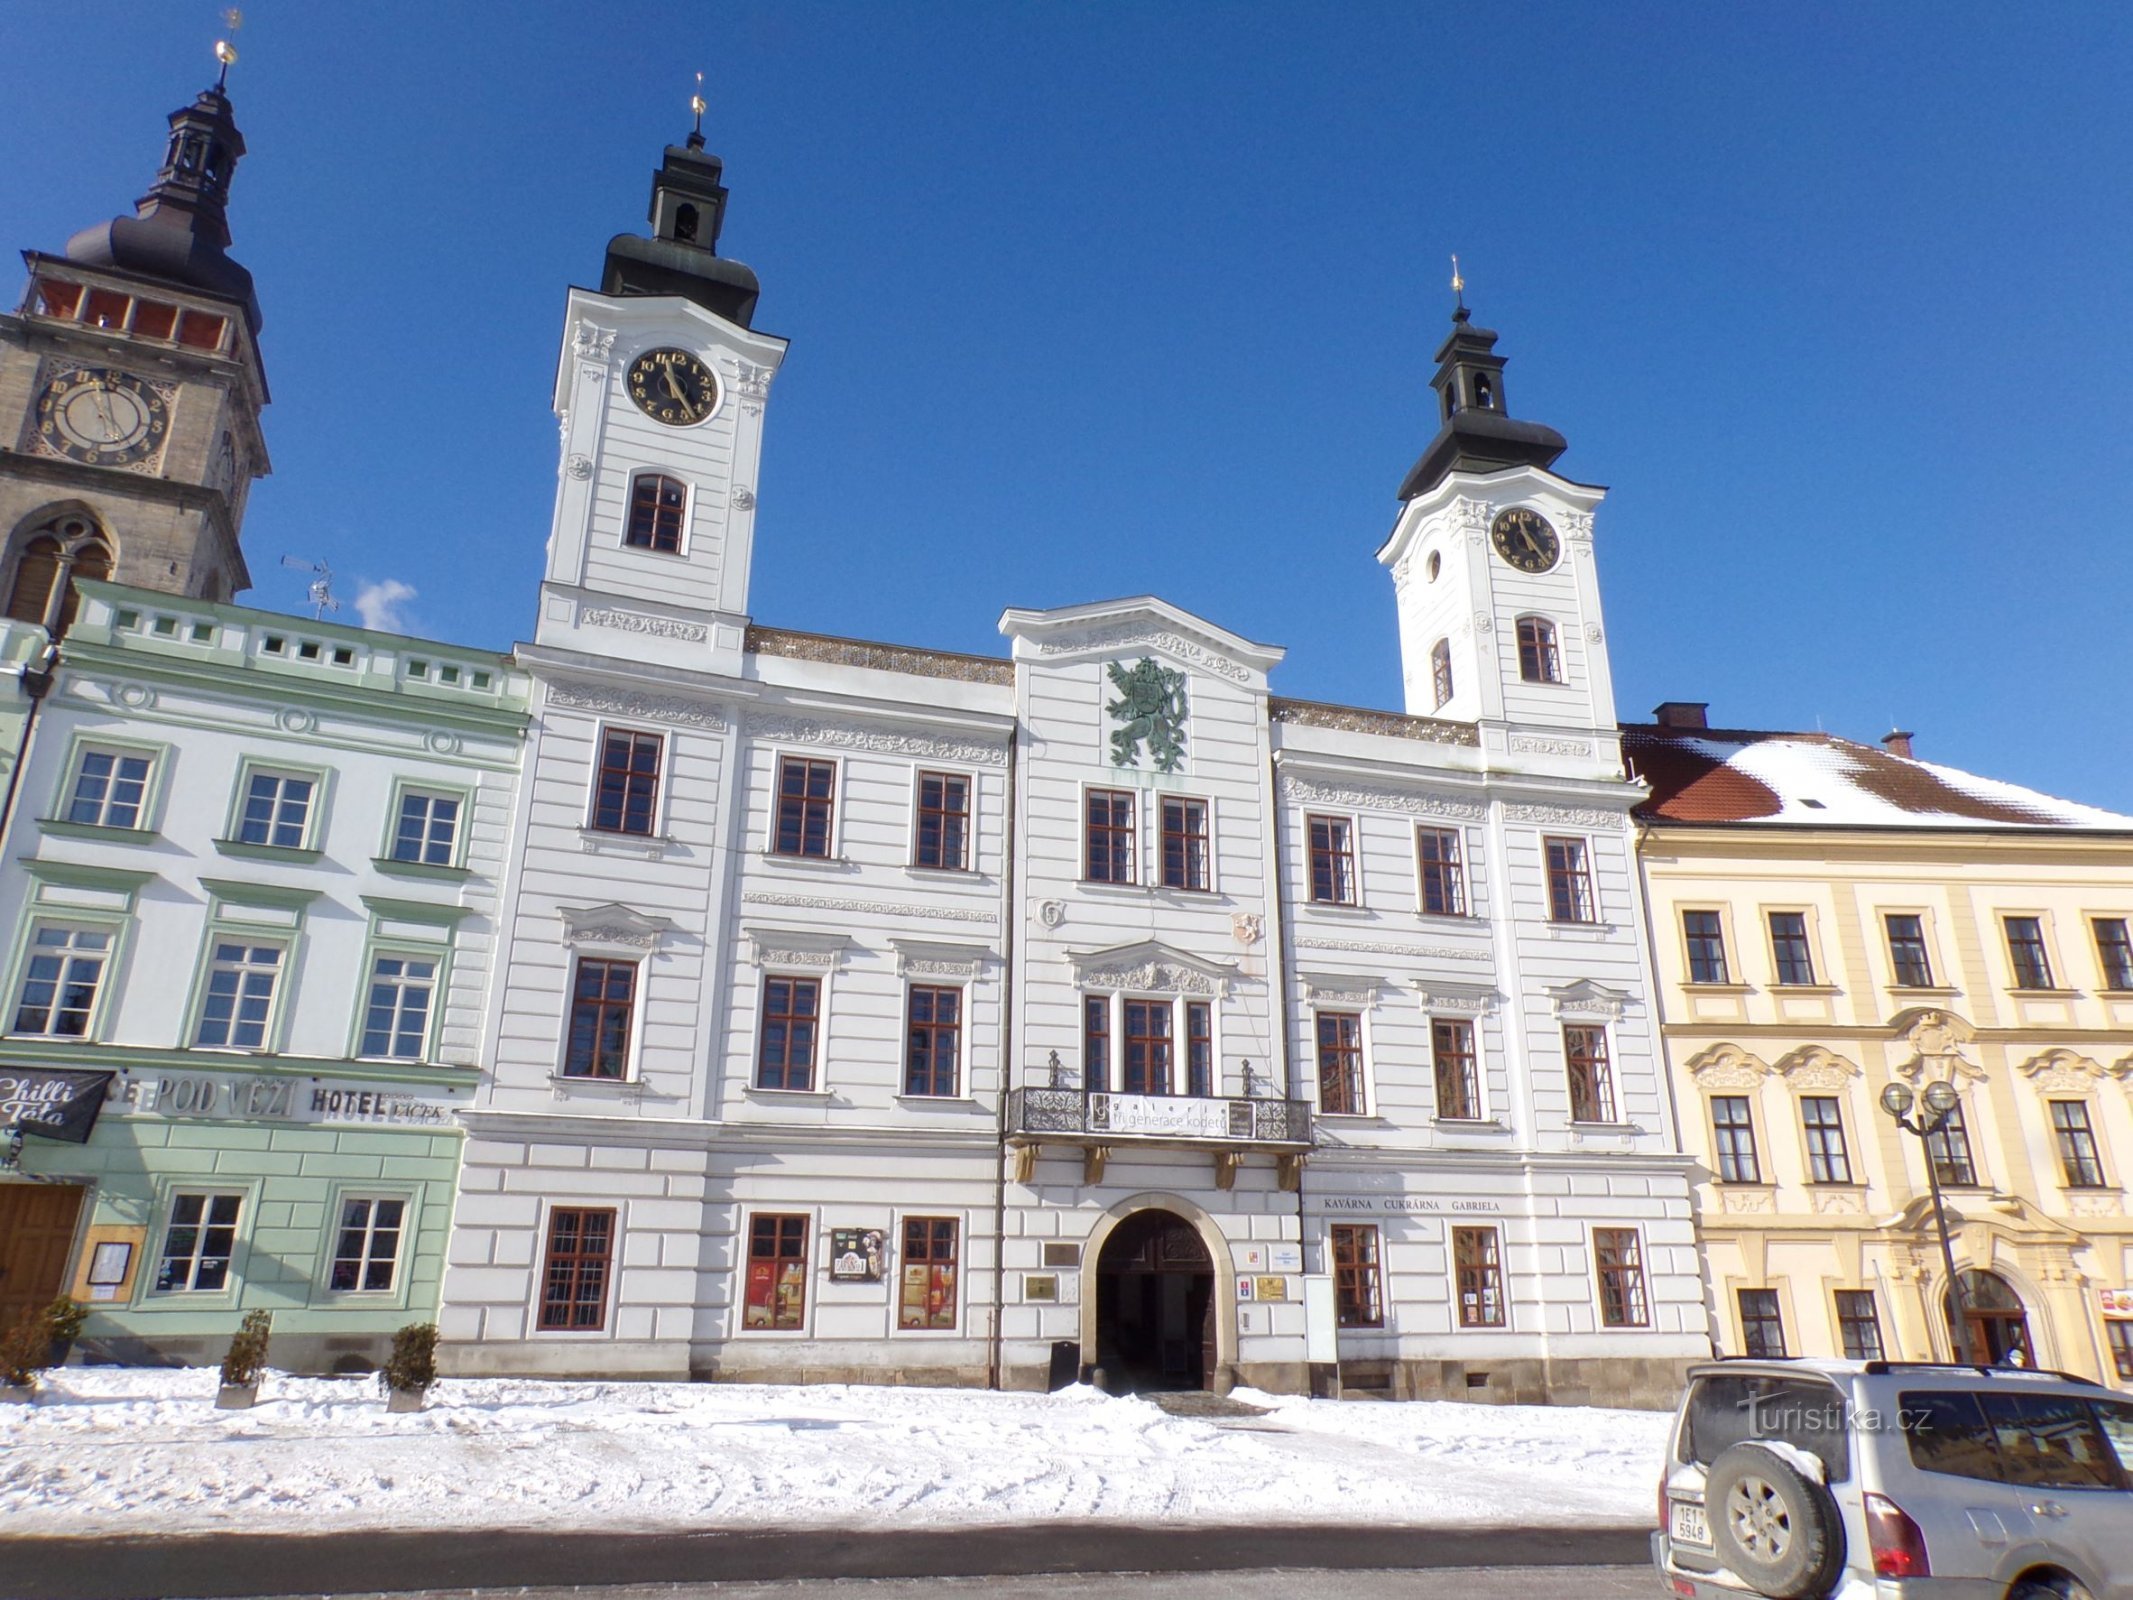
(1890, 1480)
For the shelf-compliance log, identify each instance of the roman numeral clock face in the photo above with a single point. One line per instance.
(1525, 539)
(673, 387)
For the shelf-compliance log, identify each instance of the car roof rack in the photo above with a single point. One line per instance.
(1882, 1368)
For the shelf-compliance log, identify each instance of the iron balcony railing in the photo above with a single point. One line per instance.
(1099, 1115)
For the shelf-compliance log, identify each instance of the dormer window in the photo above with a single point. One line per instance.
(1538, 659)
(659, 506)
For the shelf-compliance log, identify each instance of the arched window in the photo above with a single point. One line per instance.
(1538, 660)
(658, 507)
(1484, 396)
(50, 561)
(1440, 670)
(685, 224)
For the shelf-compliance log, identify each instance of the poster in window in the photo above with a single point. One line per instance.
(857, 1255)
(109, 1263)
(777, 1295)
(928, 1299)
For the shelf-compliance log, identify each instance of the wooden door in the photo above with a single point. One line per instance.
(36, 1238)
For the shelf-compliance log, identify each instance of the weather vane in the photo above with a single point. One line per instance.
(1458, 285)
(696, 104)
(225, 52)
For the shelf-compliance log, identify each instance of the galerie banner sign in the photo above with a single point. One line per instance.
(50, 1101)
(1181, 1116)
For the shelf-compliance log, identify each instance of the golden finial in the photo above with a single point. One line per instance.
(696, 104)
(225, 52)
(1458, 285)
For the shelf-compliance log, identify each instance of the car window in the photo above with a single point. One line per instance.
(2051, 1442)
(1947, 1432)
(2117, 1419)
(1726, 1409)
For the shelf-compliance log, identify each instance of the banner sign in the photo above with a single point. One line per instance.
(1182, 1116)
(52, 1102)
(250, 1097)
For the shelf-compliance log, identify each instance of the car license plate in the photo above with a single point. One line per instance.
(1689, 1525)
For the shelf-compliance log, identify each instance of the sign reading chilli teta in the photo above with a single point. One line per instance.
(57, 1104)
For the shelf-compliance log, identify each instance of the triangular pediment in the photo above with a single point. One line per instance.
(1141, 623)
(612, 924)
(1150, 966)
(2007, 1215)
(1588, 1001)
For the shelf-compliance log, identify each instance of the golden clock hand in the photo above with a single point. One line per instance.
(688, 411)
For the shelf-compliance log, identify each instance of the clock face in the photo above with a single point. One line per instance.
(106, 418)
(673, 387)
(1523, 537)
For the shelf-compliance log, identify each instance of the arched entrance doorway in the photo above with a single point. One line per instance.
(1155, 1305)
(1993, 1315)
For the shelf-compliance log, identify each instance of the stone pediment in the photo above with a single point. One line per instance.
(1587, 1001)
(1443, 997)
(1813, 1067)
(2064, 1072)
(1343, 988)
(1140, 625)
(803, 948)
(1150, 967)
(2006, 1215)
(1728, 1066)
(614, 925)
(935, 958)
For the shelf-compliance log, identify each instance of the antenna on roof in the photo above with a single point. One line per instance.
(320, 590)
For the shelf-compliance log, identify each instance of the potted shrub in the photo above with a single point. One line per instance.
(23, 1351)
(63, 1320)
(411, 1368)
(246, 1359)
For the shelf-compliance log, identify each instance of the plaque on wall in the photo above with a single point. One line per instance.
(857, 1255)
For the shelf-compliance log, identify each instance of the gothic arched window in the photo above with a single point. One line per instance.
(1538, 660)
(49, 563)
(658, 507)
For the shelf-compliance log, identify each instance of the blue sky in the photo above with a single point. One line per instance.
(1090, 299)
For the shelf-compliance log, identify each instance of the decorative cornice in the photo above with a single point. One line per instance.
(822, 902)
(1813, 1067)
(2063, 1071)
(1138, 635)
(1297, 790)
(1347, 988)
(591, 342)
(1452, 999)
(882, 741)
(643, 622)
(1727, 1066)
(1366, 947)
(1568, 816)
(1149, 967)
(612, 924)
(633, 706)
(922, 958)
(787, 947)
(1355, 719)
(880, 657)
(1534, 745)
(1586, 1001)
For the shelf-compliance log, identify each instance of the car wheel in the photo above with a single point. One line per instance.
(1773, 1525)
(2068, 1590)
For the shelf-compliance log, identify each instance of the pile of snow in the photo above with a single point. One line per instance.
(143, 1451)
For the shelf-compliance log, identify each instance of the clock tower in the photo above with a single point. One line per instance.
(130, 391)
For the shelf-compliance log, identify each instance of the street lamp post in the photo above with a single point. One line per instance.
(1939, 1103)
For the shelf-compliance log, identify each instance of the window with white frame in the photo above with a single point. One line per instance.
(1570, 897)
(366, 1245)
(237, 1004)
(199, 1243)
(933, 1039)
(396, 1014)
(943, 821)
(1149, 1031)
(807, 807)
(1451, 1048)
(1332, 851)
(427, 828)
(1340, 1063)
(1184, 855)
(277, 810)
(1440, 872)
(62, 973)
(110, 788)
(1592, 1082)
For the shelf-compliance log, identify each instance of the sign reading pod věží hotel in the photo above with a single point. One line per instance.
(52, 1101)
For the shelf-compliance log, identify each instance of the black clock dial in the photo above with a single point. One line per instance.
(106, 418)
(673, 387)
(1524, 538)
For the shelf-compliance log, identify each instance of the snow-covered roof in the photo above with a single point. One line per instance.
(1816, 779)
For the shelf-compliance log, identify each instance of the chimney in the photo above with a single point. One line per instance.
(1682, 713)
(1897, 743)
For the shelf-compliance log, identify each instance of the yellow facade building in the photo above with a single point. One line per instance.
(1830, 918)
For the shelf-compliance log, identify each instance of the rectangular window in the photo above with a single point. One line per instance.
(366, 1249)
(1762, 1327)
(1948, 1148)
(1733, 1136)
(396, 1021)
(1199, 1047)
(110, 789)
(933, 1039)
(1827, 1159)
(626, 796)
(1440, 672)
(926, 1301)
(1185, 844)
(1357, 1299)
(603, 1005)
(1451, 1049)
(199, 1243)
(785, 1055)
(239, 1003)
(1095, 1042)
(1859, 1325)
(1706, 936)
(807, 792)
(1148, 1046)
(1340, 1063)
(1788, 946)
(1332, 860)
(581, 1252)
(777, 1274)
(1108, 816)
(277, 810)
(1619, 1255)
(1442, 872)
(2025, 949)
(61, 974)
(2121, 1336)
(2114, 952)
(1592, 1081)
(2076, 1138)
(1907, 951)
(1477, 1263)
(943, 821)
(428, 828)
(1569, 881)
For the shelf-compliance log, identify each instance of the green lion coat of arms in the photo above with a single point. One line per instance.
(1150, 707)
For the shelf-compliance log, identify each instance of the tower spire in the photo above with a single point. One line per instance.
(696, 104)
(1478, 433)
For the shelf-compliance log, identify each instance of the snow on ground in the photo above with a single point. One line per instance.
(109, 1449)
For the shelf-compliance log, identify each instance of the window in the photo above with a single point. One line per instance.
(1451, 1048)
(239, 1003)
(1788, 945)
(1148, 1045)
(658, 507)
(1907, 951)
(2025, 949)
(1592, 1086)
(2114, 951)
(1332, 860)
(199, 1243)
(1619, 1256)
(777, 1274)
(1569, 881)
(2121, 1336)
(366, 1249)
(1859, 1325)
(1477, 1264)
(1440, 672)
(1948, 1148)
(926, 1301)
(1340, 1063)
(110, 789)
(806, 805)
(1947, 1433)
(785, 1055)
(1357, 1302)
(277, 810)
(1199, 1048)
(396, 1022)
(1706, 936)
(943, 821)
(1095, 1042)
(2076, 1138)
(1185, 844)
(2050, 1442)
(1762, 1327)
(1827, 1159)
(581, 1251)
(1733, 1136)
(1442, 873)
(1109, 817)
(61, 975)
(932, 1040)
(1538, 661)
(603, 1003)
(428, 827)
(626, 796)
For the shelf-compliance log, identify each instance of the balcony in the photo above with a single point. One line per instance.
(1097, 1121)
